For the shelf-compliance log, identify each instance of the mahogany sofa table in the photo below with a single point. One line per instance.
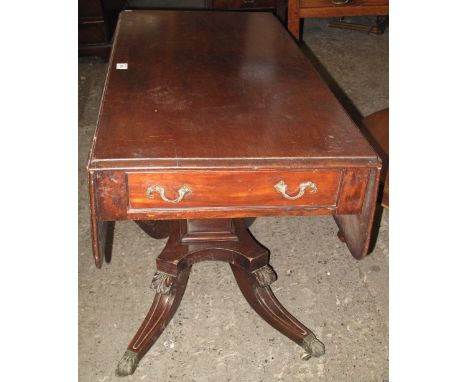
(210, 118)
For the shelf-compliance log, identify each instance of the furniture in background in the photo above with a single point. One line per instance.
(221, 118)
(94, 34)
(300, 9)
(377, 27)
(97, 19)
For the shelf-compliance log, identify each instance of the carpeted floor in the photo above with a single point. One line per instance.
(215, 336)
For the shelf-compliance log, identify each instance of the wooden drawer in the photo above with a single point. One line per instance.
(180, 190)
(332, 3)
(243, 4)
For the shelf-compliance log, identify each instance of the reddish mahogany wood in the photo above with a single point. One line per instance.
(98, 226)
(353, 190)
(195, 231)
(217, 89)
(239, 188)
(356, 228)
(159, 229)
(299, 9)
(231, 195)
(241, 107)
(264, 302)
(227, 104)
(249, 263)
(158, 317)
(375, 128)
(192, 242)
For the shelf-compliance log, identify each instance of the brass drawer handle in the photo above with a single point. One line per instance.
(340, 2)
(181, 192)
(249, 1)
(282, 188)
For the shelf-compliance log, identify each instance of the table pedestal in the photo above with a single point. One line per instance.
(192, 241)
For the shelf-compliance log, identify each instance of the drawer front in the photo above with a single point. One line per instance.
(213, 189)
(340, 3)
(243, 4)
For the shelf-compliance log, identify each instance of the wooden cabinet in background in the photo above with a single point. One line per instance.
(93, 31)
(243, 4)
(97, 19)
(300, 9)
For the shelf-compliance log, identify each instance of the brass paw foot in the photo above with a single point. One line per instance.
(127, 364)
(313, 347)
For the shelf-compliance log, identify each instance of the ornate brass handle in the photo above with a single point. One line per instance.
(340, 2)
(181, 192)
(282, 188)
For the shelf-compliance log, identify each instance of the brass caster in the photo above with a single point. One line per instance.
(306, 356)
(127, 364)
(313, 347)
(341, 237)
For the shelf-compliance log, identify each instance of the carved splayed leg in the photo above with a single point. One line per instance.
(223, 240)
(256, 290)
(169, 292)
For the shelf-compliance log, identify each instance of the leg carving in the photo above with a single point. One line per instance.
(160, 314)
(265, 276)
(162, 282)
(263, 301)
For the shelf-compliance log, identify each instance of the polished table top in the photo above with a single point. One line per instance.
(217, 89)
(220, 115)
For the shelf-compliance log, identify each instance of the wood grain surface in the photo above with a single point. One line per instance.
(217, 88)
(226, 104)
(240, 188)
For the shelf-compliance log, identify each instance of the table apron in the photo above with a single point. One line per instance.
(122, 195)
